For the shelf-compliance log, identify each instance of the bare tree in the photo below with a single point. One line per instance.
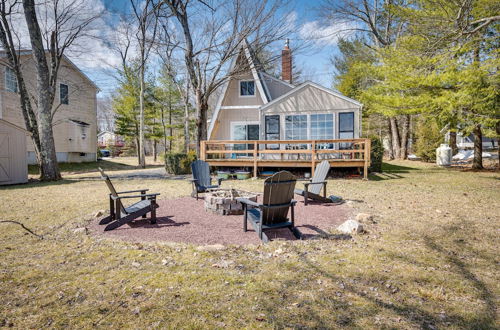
(212, 34)
(67, 23)
(147, 25)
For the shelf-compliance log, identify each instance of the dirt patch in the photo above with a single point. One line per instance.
(185, 220)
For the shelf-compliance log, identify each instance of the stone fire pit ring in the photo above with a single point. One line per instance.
(223, 201)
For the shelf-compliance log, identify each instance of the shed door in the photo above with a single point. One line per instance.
(4, 158)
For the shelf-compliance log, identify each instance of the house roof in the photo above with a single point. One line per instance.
(310, 83)
(73, 65)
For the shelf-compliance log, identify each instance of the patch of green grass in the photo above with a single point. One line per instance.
(429, 261)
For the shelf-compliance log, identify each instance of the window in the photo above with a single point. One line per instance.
(10, 80)
(244, 131)
(247, 88)
(346, 125)
(63, 94)
(296, 127)
(322, 126)
(346, 128)
(272, 130)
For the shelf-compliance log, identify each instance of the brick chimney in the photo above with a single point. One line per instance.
(286, 63)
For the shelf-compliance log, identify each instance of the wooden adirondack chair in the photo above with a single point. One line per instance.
(312, 188)
(273, 211)
(119, 214)
(202, 181)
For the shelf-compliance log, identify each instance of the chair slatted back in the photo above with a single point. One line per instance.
(201, 172)
(111, 188)
(278, 189)
(320, 174)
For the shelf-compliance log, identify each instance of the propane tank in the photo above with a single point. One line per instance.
(443, 155)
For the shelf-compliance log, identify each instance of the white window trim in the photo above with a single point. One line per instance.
(234, 123)
(63, 83)
(254, 86)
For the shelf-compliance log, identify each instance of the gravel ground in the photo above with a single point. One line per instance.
(185, 220)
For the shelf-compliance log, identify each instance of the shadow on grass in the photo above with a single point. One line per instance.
(90, 167)
(393, 168)
(343, 313)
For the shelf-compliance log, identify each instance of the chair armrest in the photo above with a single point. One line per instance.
(193, 180)
(132, 191)
(134, 196)
(248, 202)
(319, 182)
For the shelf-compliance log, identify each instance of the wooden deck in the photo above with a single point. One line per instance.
(287, 153)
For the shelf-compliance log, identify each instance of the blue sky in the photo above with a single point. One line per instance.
(314, 61)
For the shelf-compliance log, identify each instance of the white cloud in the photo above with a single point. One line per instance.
(324, 35)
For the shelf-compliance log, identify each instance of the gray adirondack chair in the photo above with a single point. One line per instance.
(312, 189)
(202, 181)
(272, 213)
(119, 214)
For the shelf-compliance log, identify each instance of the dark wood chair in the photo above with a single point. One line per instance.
(202, 181)
(119, 214)
(272, 213)
(312, 189)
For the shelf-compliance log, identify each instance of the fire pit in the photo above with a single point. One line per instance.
(223, 201)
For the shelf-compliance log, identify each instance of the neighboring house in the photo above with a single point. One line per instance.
(13, 158)
(75, 106)
(467, 142)
(257, 106)
(106, 139)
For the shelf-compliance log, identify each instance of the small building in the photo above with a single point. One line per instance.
(107, 138)
(13, 155)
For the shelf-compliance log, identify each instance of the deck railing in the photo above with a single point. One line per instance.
(287, 153)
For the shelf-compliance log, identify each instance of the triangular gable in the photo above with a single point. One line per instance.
(264, 93)
(304, 85)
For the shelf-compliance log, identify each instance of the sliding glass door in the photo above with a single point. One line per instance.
(244, 131)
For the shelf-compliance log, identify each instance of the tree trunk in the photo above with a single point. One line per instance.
(186, 119)
(170, 128)
(396, 146)
(453, 142)
(142, 152)
(498, 143)
(137, 147)
(45, 96)
(404, 137)
(477, 163)
(201, 122)
(154, 150)
(389, 131)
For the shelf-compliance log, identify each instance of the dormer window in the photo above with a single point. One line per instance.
(247, 88)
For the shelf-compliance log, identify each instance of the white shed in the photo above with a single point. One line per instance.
(13, 154)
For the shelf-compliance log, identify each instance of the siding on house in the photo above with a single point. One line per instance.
(73, 141)
(13, 160)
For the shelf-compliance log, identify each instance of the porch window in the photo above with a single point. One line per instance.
(296, 127)
(346, 128)
(10, 80)
(272, 130)
(63, 94)
(322, 126)
(247, 88)
(322, 129)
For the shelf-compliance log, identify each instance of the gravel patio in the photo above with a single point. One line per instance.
(184, 220)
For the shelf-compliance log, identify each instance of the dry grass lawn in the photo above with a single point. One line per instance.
(430, 261)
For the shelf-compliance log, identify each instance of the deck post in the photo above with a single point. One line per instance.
(313, 157)
(367, 146)
(203, 148)
(255, 148)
